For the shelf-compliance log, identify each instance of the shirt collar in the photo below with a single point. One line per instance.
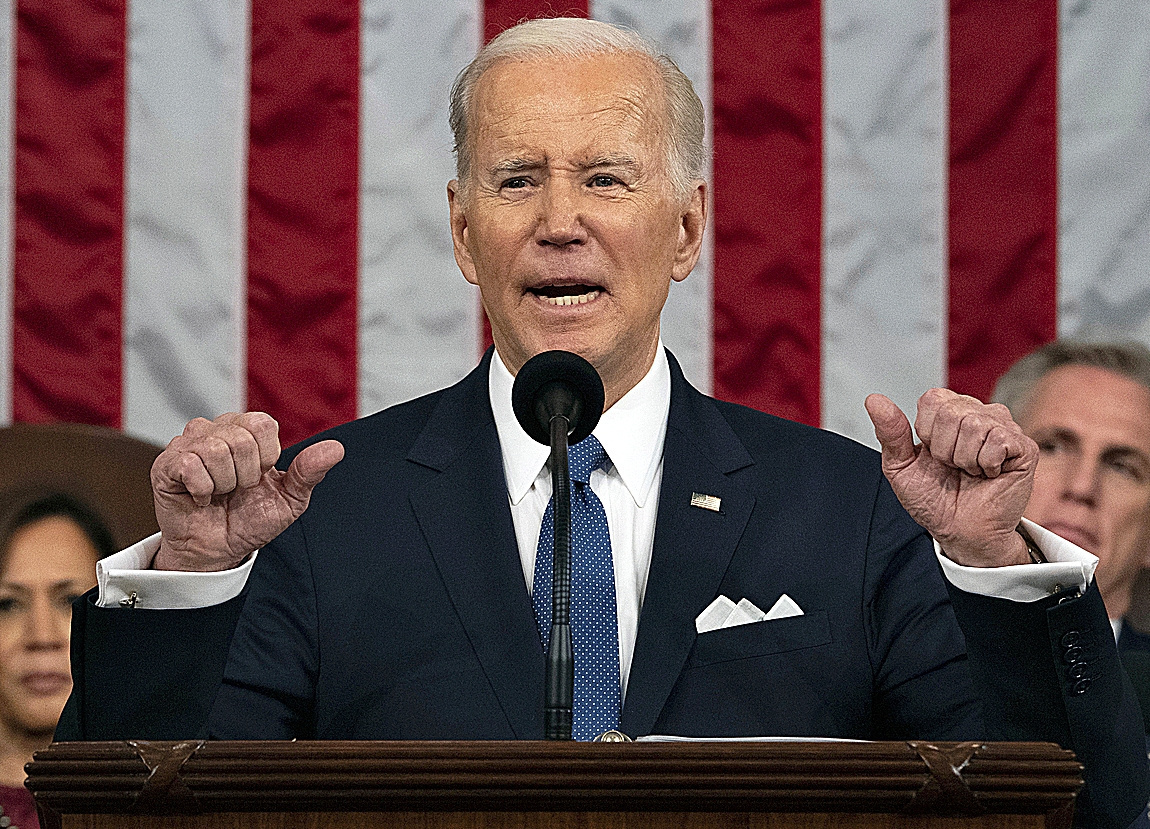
(631, 431)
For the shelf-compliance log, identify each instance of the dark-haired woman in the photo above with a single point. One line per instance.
(49, 544)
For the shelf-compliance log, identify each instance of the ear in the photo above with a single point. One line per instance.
(456, 203)
(692, 224)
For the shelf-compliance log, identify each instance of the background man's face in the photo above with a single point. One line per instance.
(569, 225)
(1093, 481)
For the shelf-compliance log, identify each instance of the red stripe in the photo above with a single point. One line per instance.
(302, 213)
(1003, 179)
(69, 200)
(503, 14)
(767, 59)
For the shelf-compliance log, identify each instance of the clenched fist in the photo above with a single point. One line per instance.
(219, 496)
(968, 481)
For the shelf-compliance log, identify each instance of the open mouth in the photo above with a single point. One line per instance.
(566, 294)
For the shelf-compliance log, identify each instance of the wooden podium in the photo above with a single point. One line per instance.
(531, 785)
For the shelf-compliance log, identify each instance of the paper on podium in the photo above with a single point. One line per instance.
(669, 738)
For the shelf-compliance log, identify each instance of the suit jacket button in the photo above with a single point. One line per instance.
(1080, 687)
(1074, 654)
(1077, 670)
(1071, 639)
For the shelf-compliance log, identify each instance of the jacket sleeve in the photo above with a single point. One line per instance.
(1049, 670)
(145, 674)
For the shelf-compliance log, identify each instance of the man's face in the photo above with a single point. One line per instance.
(1092, 486)
(569, 223)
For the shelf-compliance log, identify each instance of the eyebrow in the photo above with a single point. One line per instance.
(520, 165)
(65, 584)
(517, 165)
(614, 161)
(1127, 453)
(1116, 450)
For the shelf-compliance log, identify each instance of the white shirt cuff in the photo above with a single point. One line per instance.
(126, 575)
(1068, 565)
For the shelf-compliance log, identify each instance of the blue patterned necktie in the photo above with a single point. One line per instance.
(594, 624)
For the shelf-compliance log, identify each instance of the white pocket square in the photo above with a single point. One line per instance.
(723, 613)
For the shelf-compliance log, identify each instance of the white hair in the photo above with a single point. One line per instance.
(573, 37)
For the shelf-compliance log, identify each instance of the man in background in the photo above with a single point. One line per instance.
(1087, 406)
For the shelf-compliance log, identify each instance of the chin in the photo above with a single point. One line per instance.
(568, 342)
(41, 716)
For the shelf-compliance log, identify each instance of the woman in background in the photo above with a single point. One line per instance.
(49, 544)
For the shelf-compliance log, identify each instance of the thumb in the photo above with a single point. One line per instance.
(309, 468)
(892, 430)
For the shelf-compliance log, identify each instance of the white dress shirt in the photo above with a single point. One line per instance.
(632, 433)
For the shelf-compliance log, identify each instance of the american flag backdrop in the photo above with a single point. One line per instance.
(211, 205)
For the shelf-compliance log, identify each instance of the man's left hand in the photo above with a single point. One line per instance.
(969, 479)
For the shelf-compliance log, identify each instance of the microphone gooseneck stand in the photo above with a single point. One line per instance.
(558, 397)
(559, 685)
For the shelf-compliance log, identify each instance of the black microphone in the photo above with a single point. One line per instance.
(558, 397)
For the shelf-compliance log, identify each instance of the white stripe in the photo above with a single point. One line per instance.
(419, 319)
(884, 244)
(185, 200)
(7, 198)
(683, 29)
(1104, 170)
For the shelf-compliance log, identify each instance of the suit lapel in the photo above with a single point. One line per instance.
(465, 518)
(693, 546)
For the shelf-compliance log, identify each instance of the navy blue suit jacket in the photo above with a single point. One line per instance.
(396, 608)
(1134, 650)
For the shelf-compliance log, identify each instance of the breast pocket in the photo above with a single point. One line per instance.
(761, 639)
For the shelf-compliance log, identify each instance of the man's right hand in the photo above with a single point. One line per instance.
(220, 498)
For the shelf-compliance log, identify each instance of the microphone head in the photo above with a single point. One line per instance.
(557, 383)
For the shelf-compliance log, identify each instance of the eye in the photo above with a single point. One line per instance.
(67, 599)
(1051, 443)
(516, 183)
(603, 180)
(1128, 469)
(9, 605)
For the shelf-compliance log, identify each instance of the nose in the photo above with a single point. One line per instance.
(45, 626)
(1081, 483)
(560, 216)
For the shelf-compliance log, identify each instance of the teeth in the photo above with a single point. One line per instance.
(578, 299)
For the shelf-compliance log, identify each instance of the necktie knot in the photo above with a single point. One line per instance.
(584, 458)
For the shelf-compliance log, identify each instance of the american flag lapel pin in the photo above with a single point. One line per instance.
(709, 502)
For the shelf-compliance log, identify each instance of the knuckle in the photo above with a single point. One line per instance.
(257, 420)
(168, 464)
(196, 426)
(214, 447)
(235, 436)
(262, 426)
(215, 456)
(187, 465)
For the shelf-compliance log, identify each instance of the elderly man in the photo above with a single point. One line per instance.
(1087, 406)
(398, 604)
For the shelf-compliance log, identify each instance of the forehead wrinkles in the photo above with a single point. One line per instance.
(519, 103)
